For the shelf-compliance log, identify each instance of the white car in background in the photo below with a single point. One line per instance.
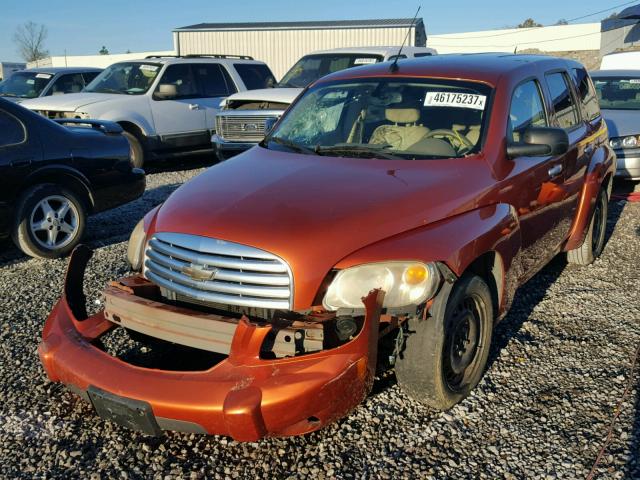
(245, 117)
(166, 105)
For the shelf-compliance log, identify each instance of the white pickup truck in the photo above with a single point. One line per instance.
(245, 117)
(166, 105)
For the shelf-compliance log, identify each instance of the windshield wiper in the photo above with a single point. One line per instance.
(374, 150)
(292, 145)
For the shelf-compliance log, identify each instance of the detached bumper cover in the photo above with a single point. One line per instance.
(243, 396)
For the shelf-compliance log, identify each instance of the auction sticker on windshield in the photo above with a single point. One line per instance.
(364, 61)
(455, 99)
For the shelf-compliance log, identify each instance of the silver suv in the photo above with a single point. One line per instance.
(166, 105)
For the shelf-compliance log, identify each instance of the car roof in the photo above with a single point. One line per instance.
(382, 50)
(195, 59)
(484, 67)
(54, 70)
(615, 73)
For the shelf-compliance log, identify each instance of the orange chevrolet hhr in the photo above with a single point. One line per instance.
(386, 220)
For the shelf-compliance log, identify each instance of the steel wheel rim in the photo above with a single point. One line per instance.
(463, 343)
(54, 222)
(599, 228)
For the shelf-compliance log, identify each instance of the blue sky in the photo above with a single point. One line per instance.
(82, 27)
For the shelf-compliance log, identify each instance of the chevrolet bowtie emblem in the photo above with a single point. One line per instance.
(199, 273)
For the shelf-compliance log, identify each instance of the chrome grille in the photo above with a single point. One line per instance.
(233, 127)
(213, 271)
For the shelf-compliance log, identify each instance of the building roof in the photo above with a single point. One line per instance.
(321, 24)
(54, 70)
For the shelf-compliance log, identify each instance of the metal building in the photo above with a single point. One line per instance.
(281, 44)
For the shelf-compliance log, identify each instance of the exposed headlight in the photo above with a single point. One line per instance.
(135, 253)
(404, 284)
(77, 115)
(630, 141)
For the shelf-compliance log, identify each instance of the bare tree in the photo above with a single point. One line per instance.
(29, 39)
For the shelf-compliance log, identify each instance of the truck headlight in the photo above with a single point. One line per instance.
(630, 141)
(404, 283)
(135, 249)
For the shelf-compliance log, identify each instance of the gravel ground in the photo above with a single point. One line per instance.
(559, 366)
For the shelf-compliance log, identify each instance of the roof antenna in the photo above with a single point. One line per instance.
(394, 66)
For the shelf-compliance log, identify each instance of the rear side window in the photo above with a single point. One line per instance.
(527, 110)
(255, 75)
(213, 80)
(11, 130)
(587, 94)
(563, 103)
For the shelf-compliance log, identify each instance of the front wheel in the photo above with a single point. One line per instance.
(445, 355)
(593, 243)
(136, 152)
(50, 221)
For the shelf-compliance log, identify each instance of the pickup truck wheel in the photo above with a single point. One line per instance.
(593, 243)
(136, 152)
(50, 221)
(446, 354)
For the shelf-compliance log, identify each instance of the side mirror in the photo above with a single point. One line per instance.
(166, 91)
(540, 142)
(269, 124)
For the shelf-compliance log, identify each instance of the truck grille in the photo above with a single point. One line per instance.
(242, 128)
(52, 114)
(213, 272)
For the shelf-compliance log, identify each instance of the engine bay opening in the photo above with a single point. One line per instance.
(144, 351)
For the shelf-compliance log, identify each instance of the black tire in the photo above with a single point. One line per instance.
(593, 243)
(428, 370)
(29, 211)
(136, 151)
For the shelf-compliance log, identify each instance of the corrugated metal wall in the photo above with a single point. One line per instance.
(280, 49)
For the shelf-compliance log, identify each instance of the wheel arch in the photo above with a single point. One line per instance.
(489, 266)
(63, 176)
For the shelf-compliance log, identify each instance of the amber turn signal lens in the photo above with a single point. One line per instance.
(415, 274)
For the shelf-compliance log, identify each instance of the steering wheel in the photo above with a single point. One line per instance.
(465, 143)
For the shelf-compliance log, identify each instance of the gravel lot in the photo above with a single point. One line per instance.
(560, 364)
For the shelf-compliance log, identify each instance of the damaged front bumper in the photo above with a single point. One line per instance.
(244, 396)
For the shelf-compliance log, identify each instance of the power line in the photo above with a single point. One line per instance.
(516, 31)
(510, 45)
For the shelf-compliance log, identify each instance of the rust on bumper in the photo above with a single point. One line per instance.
(244, 396)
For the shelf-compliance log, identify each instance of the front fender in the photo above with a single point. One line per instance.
(601, 166)
(456, 241)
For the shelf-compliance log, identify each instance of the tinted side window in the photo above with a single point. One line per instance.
(255, 75)
(213, 80)
(71, 83)
(11, 130)
(423, 54)
(527, 110)
(89, 76)
(563, 103)
(182, 77)
(393, 57)
(587, 93)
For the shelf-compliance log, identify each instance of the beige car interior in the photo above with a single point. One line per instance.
(404, 133)
(404, 130)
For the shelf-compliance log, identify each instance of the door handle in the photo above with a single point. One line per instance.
(22, 162)
(194, 106)
(555, 171)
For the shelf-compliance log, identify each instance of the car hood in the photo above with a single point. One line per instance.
(13, 99)
(622, 122)
(69, 102)
(281, 95)
(313, 211)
